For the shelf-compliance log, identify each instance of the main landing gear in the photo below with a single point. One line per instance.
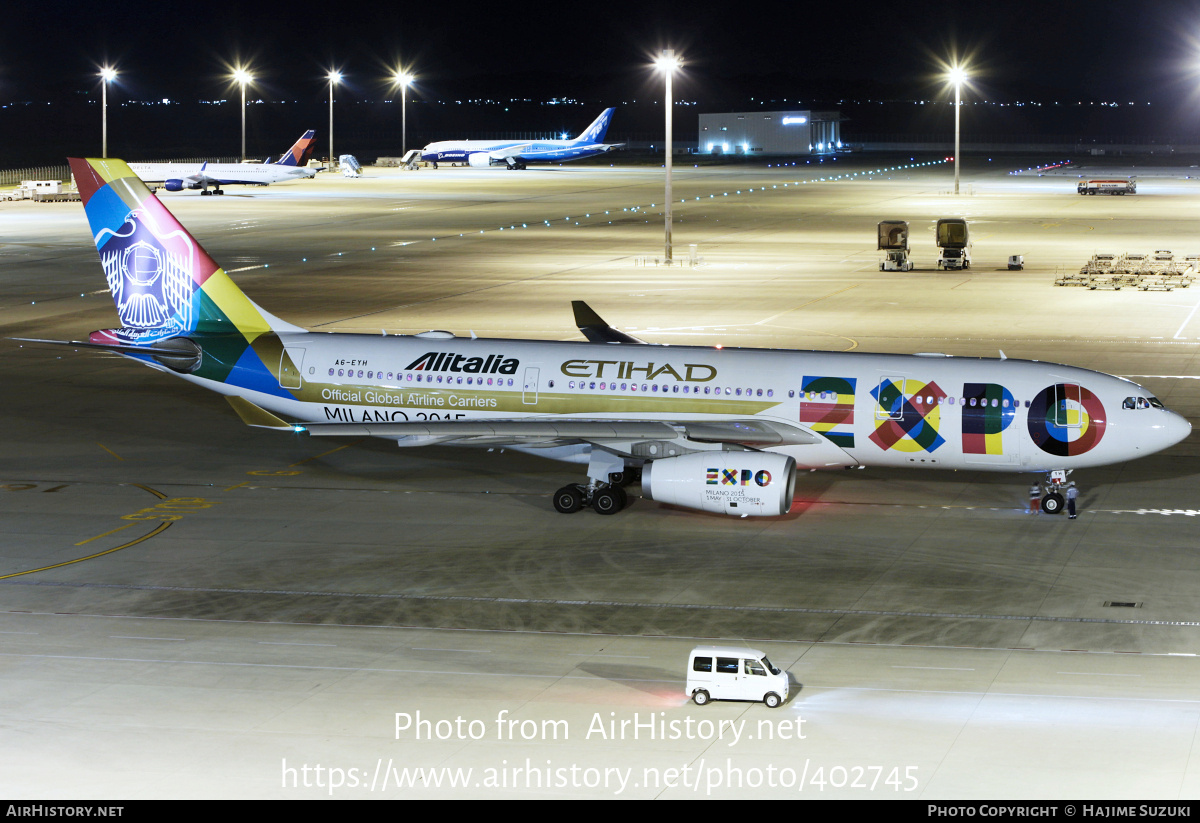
(607, 500)
(605, 490)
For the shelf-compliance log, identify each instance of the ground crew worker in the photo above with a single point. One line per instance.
(1072, 493)
(1035, 498)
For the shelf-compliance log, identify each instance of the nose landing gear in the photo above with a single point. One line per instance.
(1054, 501)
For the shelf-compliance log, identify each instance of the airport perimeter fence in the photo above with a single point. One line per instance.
(13, 177)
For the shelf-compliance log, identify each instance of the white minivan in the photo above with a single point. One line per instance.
(732, 673)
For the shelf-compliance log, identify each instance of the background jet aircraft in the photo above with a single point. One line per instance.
(515, 153)
(179, 176)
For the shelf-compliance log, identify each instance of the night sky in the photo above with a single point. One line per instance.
(738, 56)
(1096, 49)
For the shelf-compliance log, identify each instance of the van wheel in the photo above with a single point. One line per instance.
(700, 697)
(772, 700)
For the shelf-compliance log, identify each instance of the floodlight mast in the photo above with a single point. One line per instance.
(107, 75)
(334, 77)
(403, 79)
(957, 76)
(668, 64)
(243, 77)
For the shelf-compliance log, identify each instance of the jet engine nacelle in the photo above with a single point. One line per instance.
(179, 185)
(724, 482)
(479, 160)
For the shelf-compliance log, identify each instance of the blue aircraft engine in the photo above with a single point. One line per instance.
(179, 185)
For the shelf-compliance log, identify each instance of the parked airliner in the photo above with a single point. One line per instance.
(709, 428)
(514, 154)
(293, 165)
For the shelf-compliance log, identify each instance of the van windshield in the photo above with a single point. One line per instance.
(770, 666)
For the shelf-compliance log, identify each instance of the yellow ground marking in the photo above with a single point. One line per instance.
(106, 534)
(322, 454)
(110, 451)
(157, 530)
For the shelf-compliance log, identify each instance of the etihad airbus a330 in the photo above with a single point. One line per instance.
(292, 165)
(708, 428)
(515, 154)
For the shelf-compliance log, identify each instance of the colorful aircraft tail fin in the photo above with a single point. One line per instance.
(163, 282)
(300, 152)
(595, 132)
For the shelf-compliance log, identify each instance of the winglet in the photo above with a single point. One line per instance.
(595, 329)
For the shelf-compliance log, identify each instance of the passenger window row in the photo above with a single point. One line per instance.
(924, 400)
(421, 377)
(612, 385)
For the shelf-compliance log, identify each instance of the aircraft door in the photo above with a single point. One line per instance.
(889, 399)
(290, 363)
(1068, 405)
(529, 390)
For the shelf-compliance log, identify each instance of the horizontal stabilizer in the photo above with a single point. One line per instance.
(256, 416)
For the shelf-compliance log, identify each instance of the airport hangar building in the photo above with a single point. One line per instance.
(766, 133)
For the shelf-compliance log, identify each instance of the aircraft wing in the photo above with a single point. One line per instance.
(618, 435)
(509, 152)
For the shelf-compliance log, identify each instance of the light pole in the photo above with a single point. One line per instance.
(403, 80)
(957, 76)
(107, 75)
(334, 77)
(243, 77)
(668, 64)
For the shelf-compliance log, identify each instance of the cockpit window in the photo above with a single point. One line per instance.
(1156, 403)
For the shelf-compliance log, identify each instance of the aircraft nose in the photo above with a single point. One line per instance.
(1177, 428)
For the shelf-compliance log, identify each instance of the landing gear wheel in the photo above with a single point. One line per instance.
(700, 697)
(609, 501)
(1052, 503)
(568, 500)
(772, 700)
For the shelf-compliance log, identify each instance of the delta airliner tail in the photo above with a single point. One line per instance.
(300, 152)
